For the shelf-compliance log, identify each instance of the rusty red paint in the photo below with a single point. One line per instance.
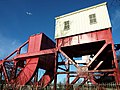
(98, 42)
(31, 63)
(95, 36)
(40, 54)
(43, 53)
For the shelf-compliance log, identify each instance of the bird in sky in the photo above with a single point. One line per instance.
(28, 13)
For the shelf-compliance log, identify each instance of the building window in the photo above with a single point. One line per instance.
(92, 18)
(66, 25)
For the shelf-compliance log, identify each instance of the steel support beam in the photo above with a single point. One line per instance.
(16, 50)
(5, 74)
(89, 71)
(98, 53)
(55, 71)
(35, 54)
(68, 58)
(85, 79)
(98, 65)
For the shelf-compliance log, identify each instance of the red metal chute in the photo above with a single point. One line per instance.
(40, 54)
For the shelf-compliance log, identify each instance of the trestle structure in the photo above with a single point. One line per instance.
(66, 57)
(84, 51)
(101, 64)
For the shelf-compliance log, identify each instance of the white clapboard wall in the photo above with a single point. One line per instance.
(86, 20)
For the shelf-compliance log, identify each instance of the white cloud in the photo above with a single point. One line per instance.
(7, 45)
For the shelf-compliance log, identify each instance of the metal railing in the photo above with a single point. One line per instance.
(107, 86)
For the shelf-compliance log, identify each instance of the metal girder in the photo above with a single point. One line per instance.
(98, 65)
(5, 74)
(34, 54)
(17, 50)
(68, 58)
(85, 79)
(98, 53)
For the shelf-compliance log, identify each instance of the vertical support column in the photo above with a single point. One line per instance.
(116, 73)
(13, 73)
(1, 77)
(68, 76)
(5, 74)
(55, 70)
(115, 63)
(36, 77)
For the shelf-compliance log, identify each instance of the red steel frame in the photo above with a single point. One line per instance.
(43, 54)
(87, 44)
(40, 54)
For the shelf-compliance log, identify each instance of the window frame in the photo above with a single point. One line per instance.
(92, 19)
(66, 25)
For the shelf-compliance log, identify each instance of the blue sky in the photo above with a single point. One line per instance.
(21, 18)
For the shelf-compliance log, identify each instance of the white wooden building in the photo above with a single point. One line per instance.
(82, 21)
